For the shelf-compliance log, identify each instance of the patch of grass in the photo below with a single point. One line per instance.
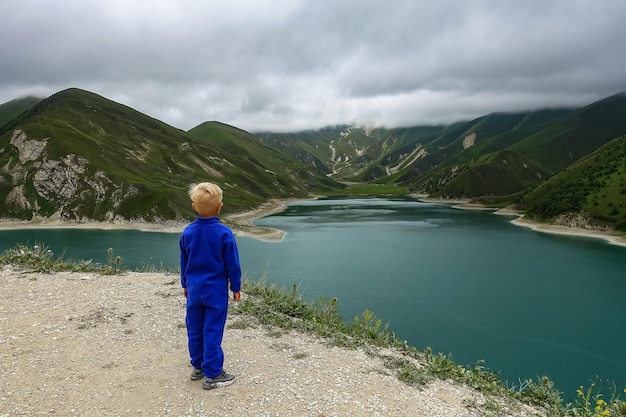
(241, 325)
(39, 258)
(408, 372)
(369, 189)
(271, 305)
(114, 264)
(152, 268)
(492, 408)
(276, 334)
(369, 328)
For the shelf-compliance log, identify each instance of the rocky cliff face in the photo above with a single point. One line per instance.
(469, 140)
(580, 220)
(64, 188)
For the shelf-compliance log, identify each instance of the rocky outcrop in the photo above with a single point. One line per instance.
(58, 180)
(28, 149)
(67, 185)
(448, 175)
(17, 199)
(469, 140)
(404, 160)
(579, 220)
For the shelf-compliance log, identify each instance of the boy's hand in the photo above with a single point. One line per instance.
(185, 292)
(236, 296)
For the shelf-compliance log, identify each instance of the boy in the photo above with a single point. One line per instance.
(209, 260)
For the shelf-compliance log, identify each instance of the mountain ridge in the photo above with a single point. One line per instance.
(494, 159)
(96, 159)
(78, 156)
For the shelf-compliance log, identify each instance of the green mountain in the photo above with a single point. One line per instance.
(511, 153)
(493, 159)
(473, 159)
(259, 170)
(590, 191)
(497, 154)
(353, 154)
(13, 108)
(79, 156)
(409, 156)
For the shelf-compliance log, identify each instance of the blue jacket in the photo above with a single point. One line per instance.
(209, 260)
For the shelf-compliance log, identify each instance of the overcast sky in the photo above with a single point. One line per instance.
(289, 65)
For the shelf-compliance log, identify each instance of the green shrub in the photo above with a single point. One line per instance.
(39, 258)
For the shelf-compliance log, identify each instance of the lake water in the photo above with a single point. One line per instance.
(466, 283)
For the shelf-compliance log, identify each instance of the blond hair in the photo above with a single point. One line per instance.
(206, 193)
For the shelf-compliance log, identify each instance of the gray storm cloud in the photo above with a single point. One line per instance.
(291, 65)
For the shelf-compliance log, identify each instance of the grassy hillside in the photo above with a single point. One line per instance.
(490, 166)
(77, 155)
(340, 150)
(592, 190)
(10, 110)
(260, 169)
(102, 160)
(577, 134)
(352, 153)
(423, 158)
(497, 155)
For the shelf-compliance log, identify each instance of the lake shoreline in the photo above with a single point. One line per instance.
(522, 221)
(242, 223)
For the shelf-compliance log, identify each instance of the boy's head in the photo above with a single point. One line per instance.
(206, 199)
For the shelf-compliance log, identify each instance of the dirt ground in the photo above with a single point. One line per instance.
(79, 344)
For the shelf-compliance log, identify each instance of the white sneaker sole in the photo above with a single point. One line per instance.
(214, 385)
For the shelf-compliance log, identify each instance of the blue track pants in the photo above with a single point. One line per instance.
(205, 330)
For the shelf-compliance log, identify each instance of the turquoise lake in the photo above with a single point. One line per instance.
(466, 283)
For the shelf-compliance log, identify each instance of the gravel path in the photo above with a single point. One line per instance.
(79, 344)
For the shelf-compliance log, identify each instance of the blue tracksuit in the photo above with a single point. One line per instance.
(209, 260)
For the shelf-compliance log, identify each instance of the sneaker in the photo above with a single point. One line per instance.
(222, 380)
(196, 374)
